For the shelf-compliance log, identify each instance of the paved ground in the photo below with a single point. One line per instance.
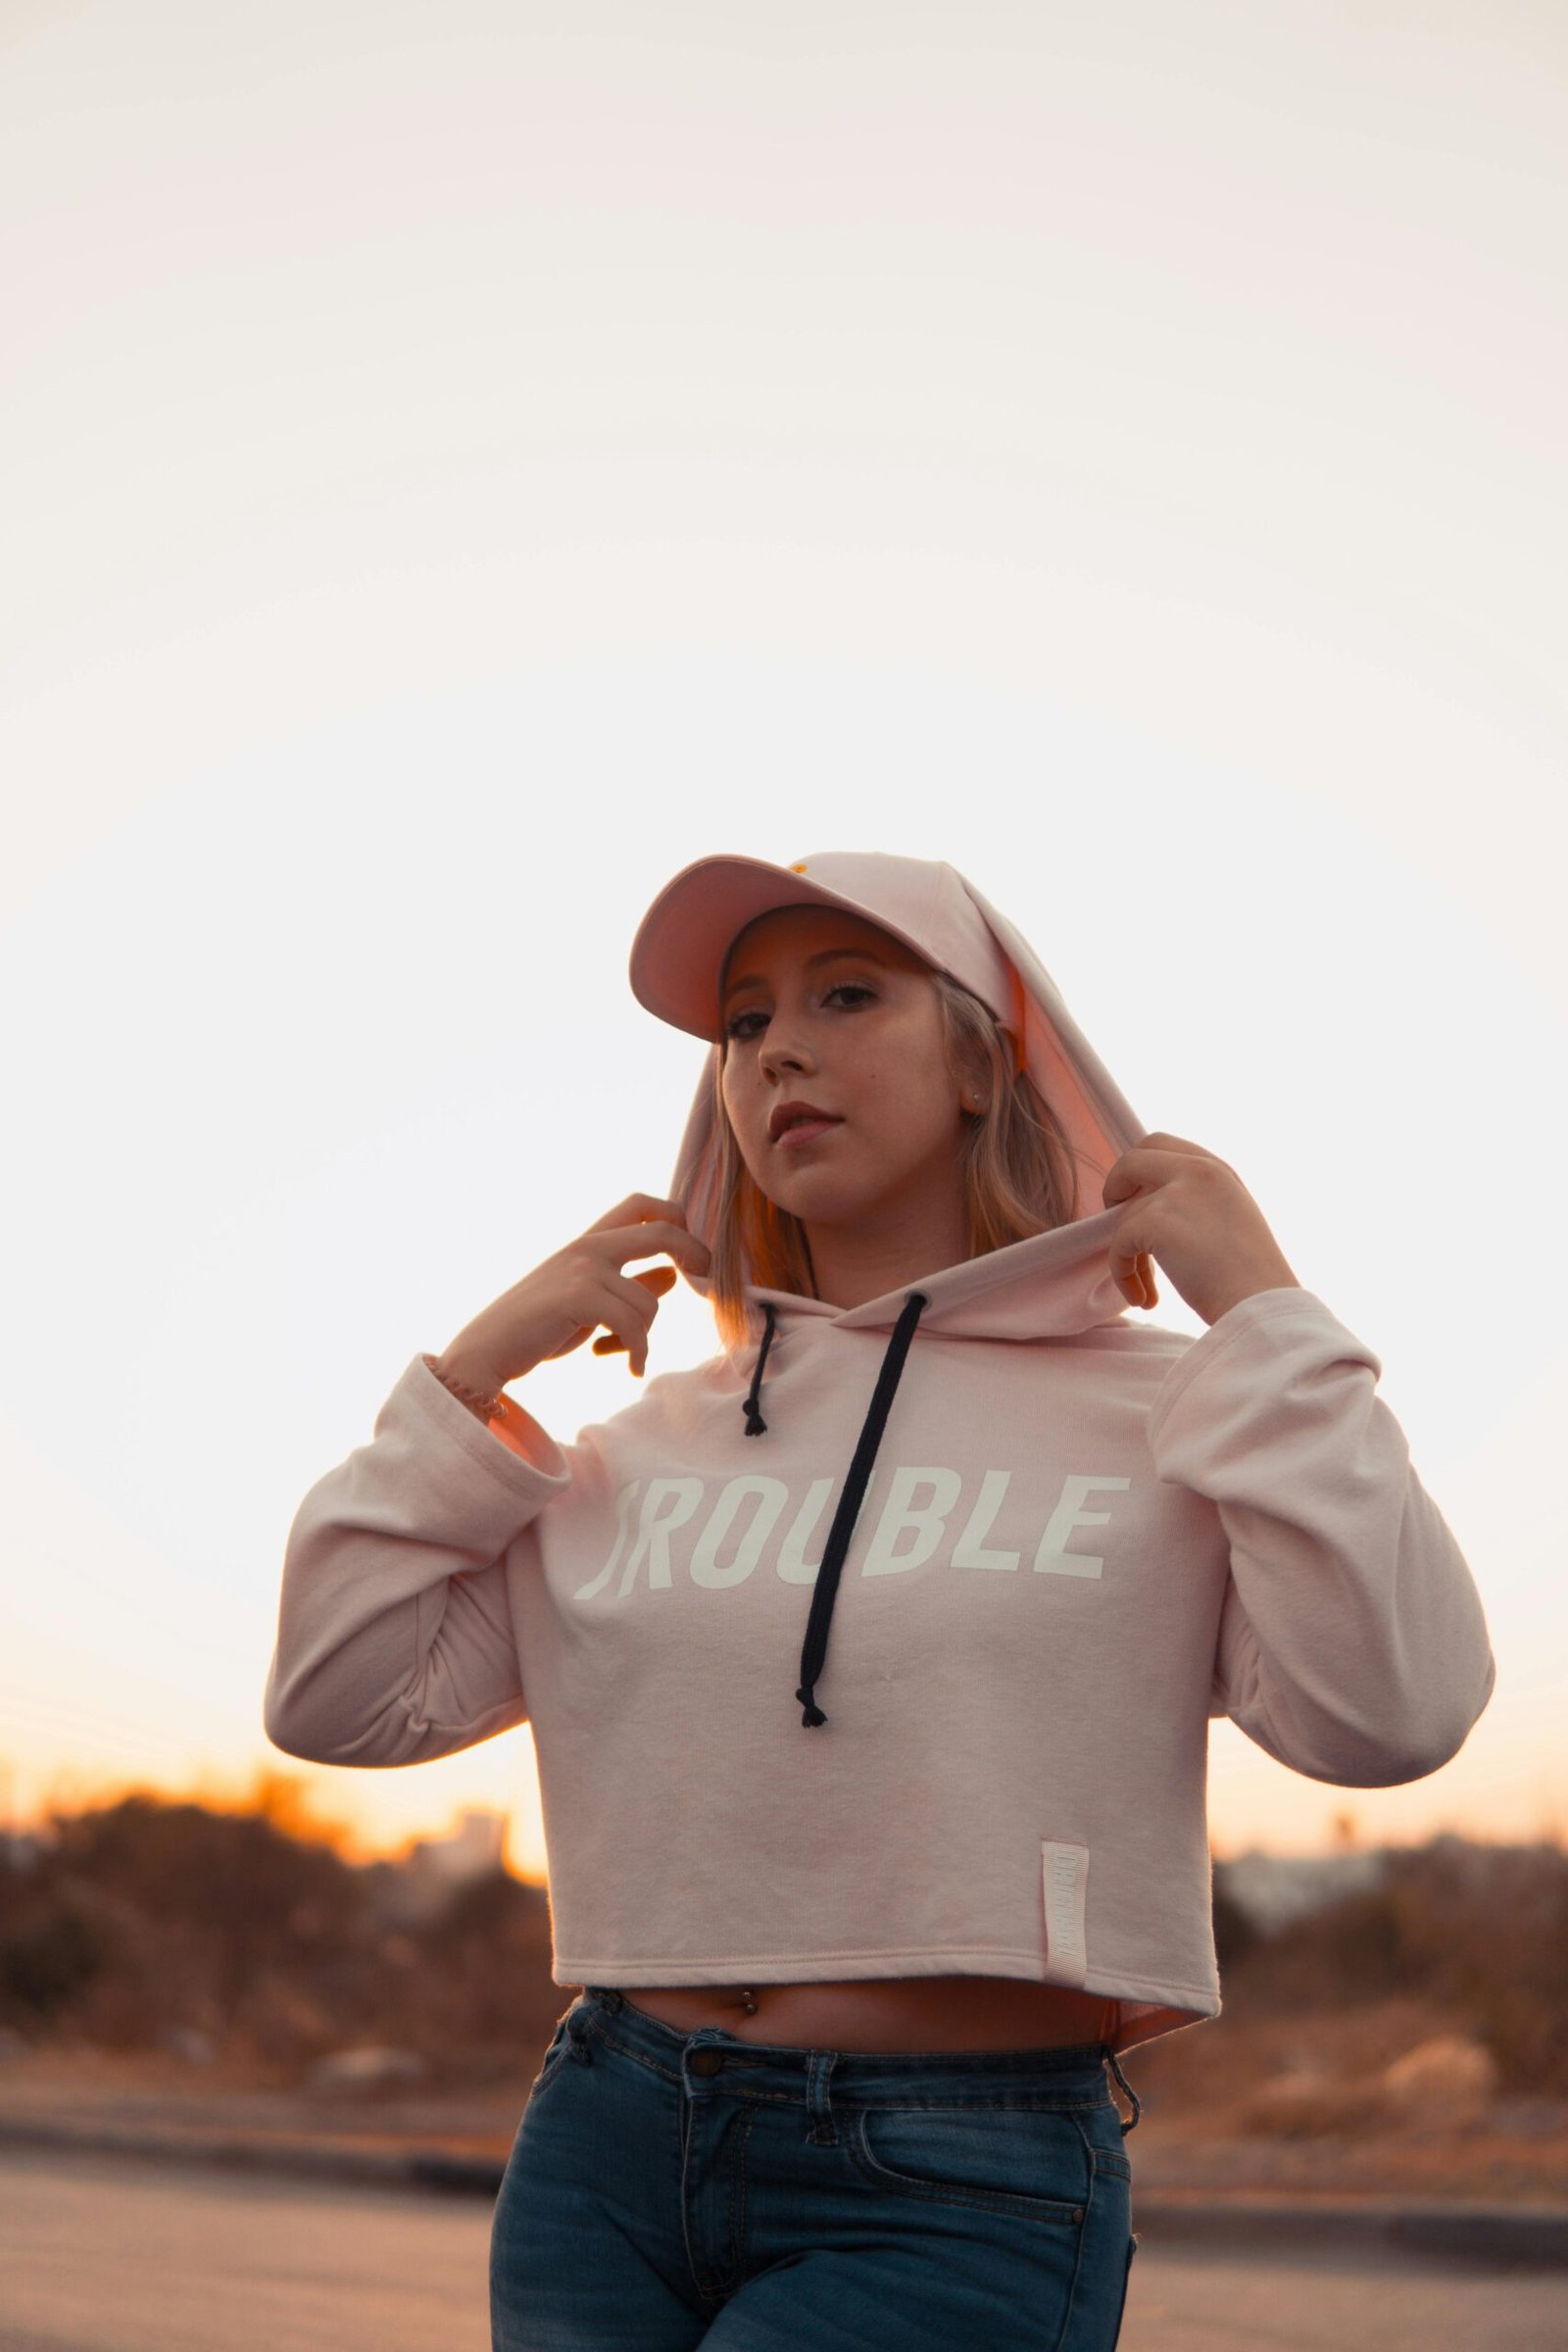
(103, 2253)
(1338, 2302)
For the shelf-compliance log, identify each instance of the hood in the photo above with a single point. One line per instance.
(1047, 1286)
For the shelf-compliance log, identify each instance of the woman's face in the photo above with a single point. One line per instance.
(825, 1010)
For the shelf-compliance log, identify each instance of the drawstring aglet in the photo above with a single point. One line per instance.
(755, 1426)
(814, 1714)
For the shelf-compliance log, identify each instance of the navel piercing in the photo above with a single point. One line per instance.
(748, 2004)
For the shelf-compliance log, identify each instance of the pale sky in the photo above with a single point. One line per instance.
(460, 463)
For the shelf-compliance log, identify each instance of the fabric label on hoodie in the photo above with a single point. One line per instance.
(1065, 1870)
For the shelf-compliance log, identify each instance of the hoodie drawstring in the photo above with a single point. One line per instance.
(825, 1590)
(754, 1423)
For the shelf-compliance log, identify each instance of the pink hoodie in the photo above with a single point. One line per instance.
(978, 1748)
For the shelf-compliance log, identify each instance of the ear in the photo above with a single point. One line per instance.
(974, 1081)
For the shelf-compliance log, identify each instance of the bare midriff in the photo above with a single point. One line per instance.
(920, 2014)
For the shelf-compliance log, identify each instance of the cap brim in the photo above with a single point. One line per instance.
(682, 940)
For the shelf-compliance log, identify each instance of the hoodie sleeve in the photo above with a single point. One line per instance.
(1353, 1643)
(395, 1636)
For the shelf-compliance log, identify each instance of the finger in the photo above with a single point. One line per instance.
(658, 1280)
(620, 1343)
(1128, 1175)
(624, 1242)
(1160, 1141)
(567, 1345)
(655, 1277)
(1128, 1259)
(1139, 1285)
(629, 1310)
(635, 1209)
(1153, 1161)
(1127, 1244)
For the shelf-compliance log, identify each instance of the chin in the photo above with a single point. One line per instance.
(822, 1204)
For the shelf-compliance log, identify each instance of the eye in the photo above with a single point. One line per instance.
(737, 1029)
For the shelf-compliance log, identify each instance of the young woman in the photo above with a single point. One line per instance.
(869, 1664)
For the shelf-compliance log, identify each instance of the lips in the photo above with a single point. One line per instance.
(799, 1122)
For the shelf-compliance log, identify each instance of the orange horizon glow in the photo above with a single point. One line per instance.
(284, 1798)
(293, 1801)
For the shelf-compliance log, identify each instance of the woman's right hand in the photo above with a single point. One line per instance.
(554, 1310)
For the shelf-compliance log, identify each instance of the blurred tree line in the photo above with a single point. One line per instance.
(142, 1923)
(129, 1924)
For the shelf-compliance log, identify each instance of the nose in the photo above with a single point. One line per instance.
(783, 1049)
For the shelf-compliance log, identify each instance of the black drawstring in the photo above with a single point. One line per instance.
(838, 1542)
(754, 1423)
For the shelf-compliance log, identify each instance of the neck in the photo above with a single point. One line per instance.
(887, 1253)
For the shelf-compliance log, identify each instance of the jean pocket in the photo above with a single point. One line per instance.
(1033, 2162)
(1101, 2128)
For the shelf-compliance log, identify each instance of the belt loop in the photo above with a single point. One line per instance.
(1137, 2105)
(585, 2021)
(822, 2130)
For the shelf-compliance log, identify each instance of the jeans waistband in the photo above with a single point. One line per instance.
(1064, 2076)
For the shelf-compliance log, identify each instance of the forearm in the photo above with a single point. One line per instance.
(393, 1628)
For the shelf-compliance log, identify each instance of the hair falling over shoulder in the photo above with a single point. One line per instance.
(1019, 1175)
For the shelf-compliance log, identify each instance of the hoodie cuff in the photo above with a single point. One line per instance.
(1268, 1327)
(527, 1459)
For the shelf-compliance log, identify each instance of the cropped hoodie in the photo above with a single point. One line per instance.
(885, 1644)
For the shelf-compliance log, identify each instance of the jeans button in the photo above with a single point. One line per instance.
(706, 2060)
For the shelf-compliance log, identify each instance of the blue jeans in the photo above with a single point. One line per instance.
(667, 2190)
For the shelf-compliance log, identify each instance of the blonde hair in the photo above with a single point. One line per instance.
(1019, 1173)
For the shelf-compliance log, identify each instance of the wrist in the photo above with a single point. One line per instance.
(1284, 1280)
(475, 1383)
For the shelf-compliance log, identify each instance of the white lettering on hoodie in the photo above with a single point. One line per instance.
(910, 1529)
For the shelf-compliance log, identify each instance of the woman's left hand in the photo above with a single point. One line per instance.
(1193, 1213)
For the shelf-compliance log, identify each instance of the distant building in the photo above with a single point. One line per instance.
(1272, 1890)
(21, 1848)
(471, 1850)
(418, 1889)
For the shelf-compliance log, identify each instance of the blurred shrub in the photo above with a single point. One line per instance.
(51, 1951)
(1234, 1931)
(1477, 1930)
(146, 1917)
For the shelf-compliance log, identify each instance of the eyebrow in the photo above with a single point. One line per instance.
(824, 956)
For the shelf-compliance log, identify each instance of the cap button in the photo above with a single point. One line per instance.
(706, 2060)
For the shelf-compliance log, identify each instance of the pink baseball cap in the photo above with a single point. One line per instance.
(678, 955)
(677, 958)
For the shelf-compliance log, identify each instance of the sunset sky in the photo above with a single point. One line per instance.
(462, 463)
